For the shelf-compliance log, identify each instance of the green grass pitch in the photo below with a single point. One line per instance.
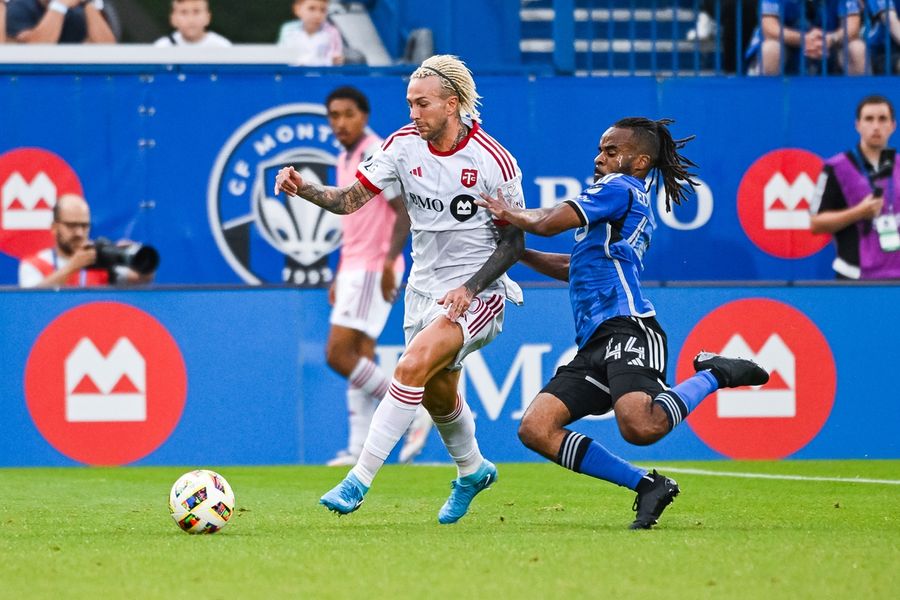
(540, 532)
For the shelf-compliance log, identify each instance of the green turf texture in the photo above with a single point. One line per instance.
(540, 532)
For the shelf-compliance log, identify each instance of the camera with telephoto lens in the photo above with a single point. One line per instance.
(140, 258)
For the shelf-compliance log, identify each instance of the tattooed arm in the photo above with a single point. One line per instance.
(341, 201)
(509, 249)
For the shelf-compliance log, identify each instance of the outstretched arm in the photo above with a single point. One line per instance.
(341, 201)
(547, 263)
(540, 221)
(509, 250)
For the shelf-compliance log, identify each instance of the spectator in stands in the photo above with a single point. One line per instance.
(318, 42)
(2, 21)
(819, 32)
(858, 197)
(884, 35)
(706, 29)
(69, 262)
(190, 18)
(57, 21)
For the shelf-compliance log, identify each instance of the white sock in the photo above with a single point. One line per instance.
(359, 409)
(458, 433)
(391, 420)
(367, 376)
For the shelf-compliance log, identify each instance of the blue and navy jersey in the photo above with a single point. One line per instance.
(803, 15)
(607, 259)
(878, 34)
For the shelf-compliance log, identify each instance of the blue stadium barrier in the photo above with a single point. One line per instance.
(237, 376)
(182, 157)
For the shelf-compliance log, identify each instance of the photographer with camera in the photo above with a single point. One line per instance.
(858, 198)
(77, 261)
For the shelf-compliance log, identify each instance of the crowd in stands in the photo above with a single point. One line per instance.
(787, 36)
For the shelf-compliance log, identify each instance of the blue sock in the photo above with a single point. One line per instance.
(679, 401)
(583, 455)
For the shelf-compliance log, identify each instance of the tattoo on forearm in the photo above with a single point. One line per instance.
(341, 201)
(509, 249)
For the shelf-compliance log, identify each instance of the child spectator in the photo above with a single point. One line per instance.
(190, 18)
(318, 42)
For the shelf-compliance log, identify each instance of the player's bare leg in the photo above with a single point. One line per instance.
(428, 353)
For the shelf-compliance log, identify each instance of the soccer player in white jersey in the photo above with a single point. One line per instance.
(368, 276)
(457, 287)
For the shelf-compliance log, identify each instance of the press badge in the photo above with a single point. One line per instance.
(888, 236)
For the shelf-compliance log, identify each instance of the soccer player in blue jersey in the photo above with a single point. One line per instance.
(622, 355)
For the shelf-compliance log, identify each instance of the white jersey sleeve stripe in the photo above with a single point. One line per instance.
(503, 168)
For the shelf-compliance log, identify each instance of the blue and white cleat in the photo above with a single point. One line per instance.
(346, 496)
(464, 489)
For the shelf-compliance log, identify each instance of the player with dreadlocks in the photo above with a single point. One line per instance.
(622, 355)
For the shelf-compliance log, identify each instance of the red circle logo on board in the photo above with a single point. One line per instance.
(773, 203)
(31, 180)
(105, 383)
(777, 419)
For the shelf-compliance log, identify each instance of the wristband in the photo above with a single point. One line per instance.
(58, 6)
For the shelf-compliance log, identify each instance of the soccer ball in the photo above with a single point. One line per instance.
(201, 501)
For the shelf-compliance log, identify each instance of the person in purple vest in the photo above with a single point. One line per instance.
(858, 197)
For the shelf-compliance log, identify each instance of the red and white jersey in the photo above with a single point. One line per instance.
(368, 231)
(452, 237)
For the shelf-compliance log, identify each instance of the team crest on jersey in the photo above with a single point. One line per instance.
(269, 239)
(463, 208)
(469, 177)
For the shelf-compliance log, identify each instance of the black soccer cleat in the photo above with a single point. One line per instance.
(649, 504)
(731, 372)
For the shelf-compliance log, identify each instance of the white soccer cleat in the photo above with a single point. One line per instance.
(342, 459)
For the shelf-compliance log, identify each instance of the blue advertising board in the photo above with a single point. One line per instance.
(238, 376)
(183, 158)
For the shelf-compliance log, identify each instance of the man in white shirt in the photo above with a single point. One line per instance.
(190, 18)
(457, 286)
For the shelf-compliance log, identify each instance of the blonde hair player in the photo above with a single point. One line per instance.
(457, 287)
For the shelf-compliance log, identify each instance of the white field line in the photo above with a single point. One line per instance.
(782, 477)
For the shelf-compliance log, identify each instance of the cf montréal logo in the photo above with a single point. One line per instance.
(267, 239)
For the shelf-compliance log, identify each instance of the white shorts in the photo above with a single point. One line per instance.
(481, 323)
(358, 303)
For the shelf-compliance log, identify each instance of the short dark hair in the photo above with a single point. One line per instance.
(874, 99)
(348, 92)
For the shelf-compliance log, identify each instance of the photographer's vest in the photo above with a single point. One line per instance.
(874, 263)
(48, 263)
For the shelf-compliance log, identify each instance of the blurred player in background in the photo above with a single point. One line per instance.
(457, 288)
(368, 276)
(622, 355)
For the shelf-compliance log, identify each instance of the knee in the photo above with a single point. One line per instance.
(530, 434)
(411, 370)
(640, 433)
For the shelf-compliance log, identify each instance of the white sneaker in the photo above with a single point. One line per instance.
(416, 436)
(343, 459)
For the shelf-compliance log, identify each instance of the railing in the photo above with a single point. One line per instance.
(709, 37)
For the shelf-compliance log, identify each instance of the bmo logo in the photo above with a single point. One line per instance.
(779, 418)
(105, 383)
(31, 179)
(773, 203)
